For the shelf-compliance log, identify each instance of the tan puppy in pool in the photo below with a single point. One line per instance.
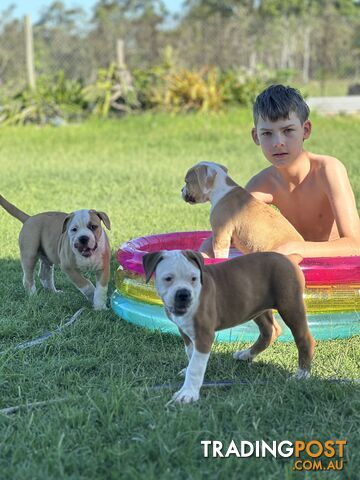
(236, 216)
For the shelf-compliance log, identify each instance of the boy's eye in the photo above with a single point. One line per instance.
(289, 130)
(266, 134)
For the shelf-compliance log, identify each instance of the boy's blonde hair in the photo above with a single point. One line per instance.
(277, 102)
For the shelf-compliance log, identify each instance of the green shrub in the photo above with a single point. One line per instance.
(54, 100)
(112, 92)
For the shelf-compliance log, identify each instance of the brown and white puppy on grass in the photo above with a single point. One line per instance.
(202, 299)
(76, 242)
(236, 216)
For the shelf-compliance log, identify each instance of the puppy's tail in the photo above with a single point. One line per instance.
(14, 211)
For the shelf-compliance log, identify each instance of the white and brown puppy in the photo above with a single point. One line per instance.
(76, 242)
(236, 216)
(202, 299)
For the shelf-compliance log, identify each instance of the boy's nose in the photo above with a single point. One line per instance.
(278, 141)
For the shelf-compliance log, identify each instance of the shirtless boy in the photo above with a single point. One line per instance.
(312, 191)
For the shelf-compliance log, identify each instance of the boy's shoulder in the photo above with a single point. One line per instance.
(264, 177)
(260, 185)
(327, 164)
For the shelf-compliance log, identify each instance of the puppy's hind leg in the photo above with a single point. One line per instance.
(269, 331)
(295, 319)
(29, 243)
(206, 248)
(28, 262)
(46, 274)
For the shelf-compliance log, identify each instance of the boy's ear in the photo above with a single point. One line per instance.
(307, 129)
(255, 136)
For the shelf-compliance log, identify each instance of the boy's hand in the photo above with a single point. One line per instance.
(291, 248)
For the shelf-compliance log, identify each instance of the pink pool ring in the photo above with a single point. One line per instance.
(317, 271)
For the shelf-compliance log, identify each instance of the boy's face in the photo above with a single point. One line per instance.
(281, 141)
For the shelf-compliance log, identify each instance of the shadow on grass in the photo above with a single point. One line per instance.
(23, 317)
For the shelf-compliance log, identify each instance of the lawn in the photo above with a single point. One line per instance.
(108, 422)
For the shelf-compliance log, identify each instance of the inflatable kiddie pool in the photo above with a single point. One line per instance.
(332, 293)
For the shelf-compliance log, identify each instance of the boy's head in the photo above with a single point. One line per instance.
(277, 102)
(281, 124)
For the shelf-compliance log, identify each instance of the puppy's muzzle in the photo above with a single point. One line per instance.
(182, 301)
(188, 198)
(83, 240)
(82, 246)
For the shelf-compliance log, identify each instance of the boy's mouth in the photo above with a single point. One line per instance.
(279, 155)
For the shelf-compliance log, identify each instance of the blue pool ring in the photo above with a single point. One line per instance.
(323, 326)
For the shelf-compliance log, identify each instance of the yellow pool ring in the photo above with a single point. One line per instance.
(324, 299)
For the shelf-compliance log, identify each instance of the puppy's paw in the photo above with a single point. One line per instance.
(100, 306)
(185, 395)
(31, 291)
(301, 374)
(243, 355)
(182, 373)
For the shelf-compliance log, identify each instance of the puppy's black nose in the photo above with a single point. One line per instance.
(182, 296)
(83, 239)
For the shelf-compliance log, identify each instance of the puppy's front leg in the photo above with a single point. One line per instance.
(194, 378)
(102, 281)
(221, 244)
(81, 283)
(189, 348)
(100, 295)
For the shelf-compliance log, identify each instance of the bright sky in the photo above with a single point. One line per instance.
(34, 7)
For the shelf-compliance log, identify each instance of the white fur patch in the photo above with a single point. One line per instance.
(243, 355)
(301, 374)
(94, 262)
(176, 272)
(190, 391)
(220, 188)
(100, 297)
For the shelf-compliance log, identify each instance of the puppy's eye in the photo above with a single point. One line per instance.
(193, 279)
(93, 227)
(168, 279)
(74, 229)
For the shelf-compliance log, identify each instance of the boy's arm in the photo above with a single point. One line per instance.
(337, 187)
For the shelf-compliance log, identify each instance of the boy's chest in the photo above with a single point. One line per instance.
(308, 209)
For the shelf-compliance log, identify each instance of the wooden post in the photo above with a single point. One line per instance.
(29, 44)
(120, 55)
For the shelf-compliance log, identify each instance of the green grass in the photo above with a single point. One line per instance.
(331, 87)
(110, 424)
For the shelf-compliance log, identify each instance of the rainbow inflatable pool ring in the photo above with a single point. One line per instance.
(332, 293)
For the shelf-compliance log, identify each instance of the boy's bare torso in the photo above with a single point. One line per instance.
(304, 204)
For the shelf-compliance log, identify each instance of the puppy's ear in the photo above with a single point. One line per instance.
(104, 218)
(206, 176)
(197, 259)
(223, 168)
(150, 262)
(66, 222)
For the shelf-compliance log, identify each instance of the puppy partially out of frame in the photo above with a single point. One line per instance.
(236, 216)
(202, 299)
(76, 242)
